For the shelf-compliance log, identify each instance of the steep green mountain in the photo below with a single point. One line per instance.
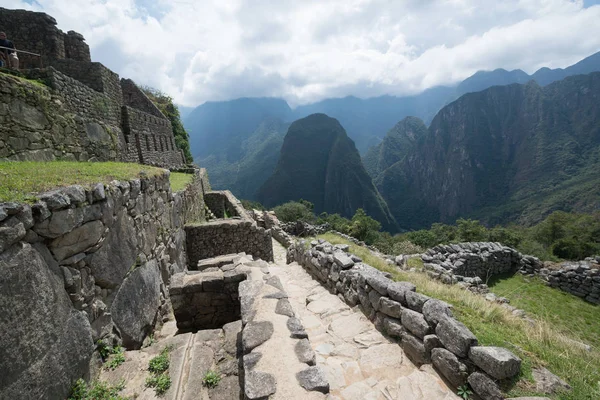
(508, 153)
(398, 142)
(259, 153)
(319, 163)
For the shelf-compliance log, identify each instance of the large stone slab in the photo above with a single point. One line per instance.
(259, 385)
(117, 255)
(415, 323)
(313, 379)
(54, 340)
(449, 366)
(78, 240)
(136, 304)
(455, 336)
(498, 362)
(484, 386)
(255, 334)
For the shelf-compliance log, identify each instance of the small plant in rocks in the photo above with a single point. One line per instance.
(464, 392)
(116, 357)
(159, 378)
(211, 379)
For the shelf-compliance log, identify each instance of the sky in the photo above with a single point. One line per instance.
(308, 50)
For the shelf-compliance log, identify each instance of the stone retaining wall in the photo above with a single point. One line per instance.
(268, 220)
(424, 326)
(84, 264)
(580, 278)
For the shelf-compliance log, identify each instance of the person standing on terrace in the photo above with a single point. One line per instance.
(8, 57)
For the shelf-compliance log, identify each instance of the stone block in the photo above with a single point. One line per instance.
(397, 291)
(498, 362)
(415, 349)
(313, 379)
(434, 310)
(393, 327)
(415, 301)
(390, 307)
(415, 323)
(484, 386)
(255, 334)
(259, 385)
(455, 336)
(449, 366)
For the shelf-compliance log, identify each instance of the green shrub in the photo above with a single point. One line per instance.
(406, 247)
(293, 211)
(364, 227)
(211, 379)
(160, 363)
(160, 382)
(116, 358)
(252, 205)
(96, 391)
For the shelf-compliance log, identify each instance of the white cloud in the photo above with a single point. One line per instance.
(305, 51)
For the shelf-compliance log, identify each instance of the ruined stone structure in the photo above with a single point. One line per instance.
(76, 109)
(425, 327)
(84, 264)
(234, 232)
(37, 33)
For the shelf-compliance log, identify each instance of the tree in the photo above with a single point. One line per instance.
(293, 211)
(362, 225)
(470, 230)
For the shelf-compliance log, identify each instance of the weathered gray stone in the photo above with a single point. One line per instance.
(275, 282)
(434, 310)
(136, 303)
(390, 307)
(3, 213)
(40, 330)
(78, 240)
(341, 259)
(259, 385)
(449, 366)
(255, 334)
(379, 283)
(11, 231)
(415, 349)
(415, 301)
(313, 379)
(248, 290)
(296, 328)
(25, 216)
(432, 342)
(304, 352)
(484, 386)
(497, 362)
(75, 193)
(415, 323)
(251, 359)
(116, 257)
(374, 298)
(455, 336)
(284, 307)
(98, 193)
(40, 211)
(393, 327)
(547, 382)
(397, 291)
(55, 200)
(59, 223)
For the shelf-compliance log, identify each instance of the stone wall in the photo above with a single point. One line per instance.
(150, 138)
(83, 264)
(580, 278)
(39, 123)
(93, 75)
(238, 234)
(37, 33)
(135, 98)
(424, 326)
(268, 220)
(227, 236)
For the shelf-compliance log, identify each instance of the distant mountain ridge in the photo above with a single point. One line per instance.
(221, 132)
(319, 163)
(507, 153)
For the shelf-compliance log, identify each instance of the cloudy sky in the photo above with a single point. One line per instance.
(307, 50)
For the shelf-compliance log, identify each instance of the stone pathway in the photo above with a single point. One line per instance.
(360, 363)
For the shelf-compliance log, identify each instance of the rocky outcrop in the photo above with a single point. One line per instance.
(426, 328)
(84, 264)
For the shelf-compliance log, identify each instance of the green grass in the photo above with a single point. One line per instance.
(180, 180)
(116, 358)
(96, 390)
(543, 344)
(21, 180)
(577, 318)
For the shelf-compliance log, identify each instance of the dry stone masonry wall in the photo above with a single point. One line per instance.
(84, 264)
(425, 327)
(268, 220)
(228, 235)
(76, 109)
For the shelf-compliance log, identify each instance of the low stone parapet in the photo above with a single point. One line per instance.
(424, 326)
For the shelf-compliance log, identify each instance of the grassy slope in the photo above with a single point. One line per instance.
(20, 181)
(180, 180)
(544, 344)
